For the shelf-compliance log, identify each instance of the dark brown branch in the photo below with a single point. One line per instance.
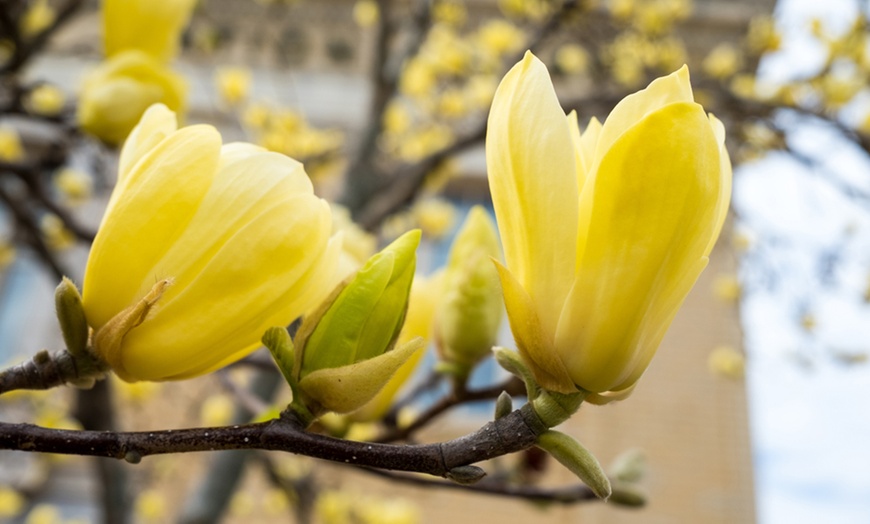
(24, 50)
(514, 432)
(567, 495)
(459, 396)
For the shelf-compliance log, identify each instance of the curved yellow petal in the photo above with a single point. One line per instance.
(534, 344)
(149, 212)
(650, 213)
(533, 181)
(724, 201)
(157, 123)
(633, 108)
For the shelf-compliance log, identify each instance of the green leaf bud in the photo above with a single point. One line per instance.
(571, 454)
(71, 317)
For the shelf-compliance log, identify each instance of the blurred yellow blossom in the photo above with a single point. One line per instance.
(43, 514)
(242, 504)
(217, 410)
(55, 233)
(10, 145)
(446, 51)
(365, 13)
(808, 322)
(727, 361)
(453, 103)
(116, 94)
(49, 416)
(137, 392)
(256, 116)
(435, 216)
(726, 287)
(74, 184)
(397, 119)
(45, 100)
(499, 37)
(837, 90)
(723, 61)
(275, 502)
(763, 35)
(11, 502)
(233, 84)
(572, 59)
(334, 507)
(622, 9)
(7, 253)
(417, 78)
(37, 18)
(388, 511)
(480, 89)
(151, 506)
(145, 25)
(526, 9)
(449, 12)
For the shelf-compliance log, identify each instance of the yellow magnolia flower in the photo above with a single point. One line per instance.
(202, 248)
(145, 25)
(115, 95)
(604, 234)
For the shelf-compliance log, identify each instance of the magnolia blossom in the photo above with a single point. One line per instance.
(202, 248)
(606, 232)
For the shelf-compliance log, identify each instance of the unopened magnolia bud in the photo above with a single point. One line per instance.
(345, 352)
(470, 311)
(71, 317)
(571, 454)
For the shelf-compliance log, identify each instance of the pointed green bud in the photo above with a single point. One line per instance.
(471, 308)
(466, 474)
(504, 404)
(571, 454)
(71, 317)
(356, 330)
(280, 345)
(511, 362)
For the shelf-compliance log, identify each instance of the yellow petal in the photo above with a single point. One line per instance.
(649, 214)
(254, 237)
(147, 25)
(534, 344)
(149, 213)
(533, 181)
(633, 108)
(725, 172)
(157, 123)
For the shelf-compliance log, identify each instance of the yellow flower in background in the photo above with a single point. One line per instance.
(45, 100)
(728, 362)
(726, 287)
(365, 13)
(75, 185)
(435, 216)
(11, 149)
(37, 18)
(201, 249)
(572, 59)
(116, 94)
(153, 27)
(150, 506)
(11, 502)
(233, 84)
(723, 61)
(55, 233)
(604, 233)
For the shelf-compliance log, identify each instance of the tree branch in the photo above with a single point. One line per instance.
(514, 432)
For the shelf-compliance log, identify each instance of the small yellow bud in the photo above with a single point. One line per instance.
(55, 233)
(233, 84)
(151, 506)
(45, 100)
(726, 361)
(572, 59)
(43, 514)
(71, 317)
(435, 216)
(38, 17)
(11, 502)
(723, 61)
(75, 185)
(365, 13)
(10, 145)
(217, 410)
(116, 94)
(727, 287)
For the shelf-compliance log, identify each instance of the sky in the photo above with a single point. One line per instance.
(809, 410)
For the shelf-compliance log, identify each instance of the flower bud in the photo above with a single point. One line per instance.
(71, 317)
(470, 311)
(345, 351)
(116, 94)
(571, 454)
